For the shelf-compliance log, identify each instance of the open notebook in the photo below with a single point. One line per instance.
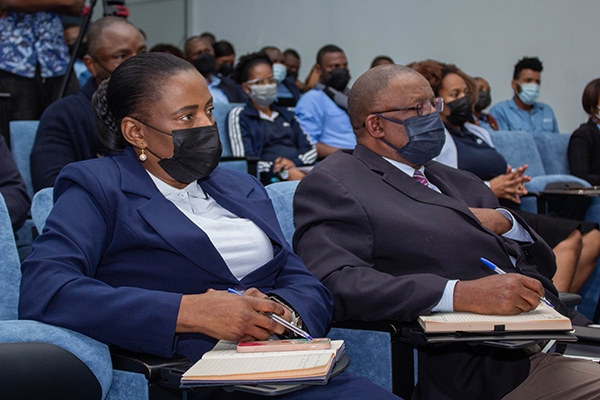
(543, 318)
(223, 365)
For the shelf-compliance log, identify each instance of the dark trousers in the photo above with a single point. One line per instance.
(29, 97)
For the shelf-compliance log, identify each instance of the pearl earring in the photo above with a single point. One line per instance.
(143, 157)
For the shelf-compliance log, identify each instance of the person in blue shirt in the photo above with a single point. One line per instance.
(523, 112)
(263, 129)
(33, 54)
(323, 111)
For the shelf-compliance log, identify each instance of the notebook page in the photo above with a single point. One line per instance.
(541, 313)
(225, 349)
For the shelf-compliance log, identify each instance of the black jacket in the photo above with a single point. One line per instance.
(584, 152)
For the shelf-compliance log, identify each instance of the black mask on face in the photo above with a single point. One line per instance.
(205, 64)
(460, 111)
(293, 74)
(82, 51)
(338, 79)
(226, 69)
(485, 99)
(196, 153)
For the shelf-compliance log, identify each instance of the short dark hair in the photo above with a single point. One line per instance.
(167, 48)
(381, 58)
(223, 48)
(330, 48)
(132, 86)
(209, 36)
(532, 63)
(246, 63)
(95, 31)
(291, 52)
(591, 95)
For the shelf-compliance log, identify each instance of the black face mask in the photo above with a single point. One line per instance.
(338, 79)
(205, 64)
(82, 51)
(226, 69)
(196, 153)
(293, 74)
(460, 111)
(485, 99)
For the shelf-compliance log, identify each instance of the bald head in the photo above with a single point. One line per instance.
(95, 33)
(370, 91)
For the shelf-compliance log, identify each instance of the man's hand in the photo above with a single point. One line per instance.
(508, 294)
(510, 185)
(492, 219)
(228, 316)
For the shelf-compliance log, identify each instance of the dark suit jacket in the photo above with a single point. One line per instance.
(66, 134)
(385, 246)
(116, 256)
(584, 152)
(12, 187)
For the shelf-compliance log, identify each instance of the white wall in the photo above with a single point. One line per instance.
(483, 37)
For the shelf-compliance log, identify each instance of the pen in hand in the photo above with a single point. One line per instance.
(279, 320)
(498, 270)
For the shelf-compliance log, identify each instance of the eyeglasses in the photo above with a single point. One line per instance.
(261, 81)
(423, 108)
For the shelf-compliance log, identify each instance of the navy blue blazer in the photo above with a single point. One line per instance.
(116, 256)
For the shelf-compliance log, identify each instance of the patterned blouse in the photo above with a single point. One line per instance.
(27, 40)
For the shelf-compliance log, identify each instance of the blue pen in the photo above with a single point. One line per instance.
(278, 319)
(497, 270)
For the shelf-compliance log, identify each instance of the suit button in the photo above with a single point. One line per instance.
(527, 255)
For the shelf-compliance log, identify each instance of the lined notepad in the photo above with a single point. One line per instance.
(224, 364)
(543, 318)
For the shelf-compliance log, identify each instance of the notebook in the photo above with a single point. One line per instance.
(223, 365)
(543, 318)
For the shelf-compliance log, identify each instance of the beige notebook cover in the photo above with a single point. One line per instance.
(224, 363)
(543, 318)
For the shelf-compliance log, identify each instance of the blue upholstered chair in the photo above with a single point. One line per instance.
(22, 136)
(520, 148)
(370, 351)
(241, 164)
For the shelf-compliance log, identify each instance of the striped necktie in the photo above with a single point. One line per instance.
(418, 175)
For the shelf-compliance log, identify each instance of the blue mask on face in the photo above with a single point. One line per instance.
(529, 93)
(279, 72)
(426, 137)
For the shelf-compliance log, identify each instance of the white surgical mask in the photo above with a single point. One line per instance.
(263, 95)
(279, 72)
(529, 93)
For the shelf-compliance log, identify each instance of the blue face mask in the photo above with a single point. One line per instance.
(279, 72)
(426, 137)
(529, 93)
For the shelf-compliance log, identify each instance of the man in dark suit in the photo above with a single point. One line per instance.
(389, 232)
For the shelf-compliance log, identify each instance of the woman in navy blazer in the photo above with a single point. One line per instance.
(121, 260)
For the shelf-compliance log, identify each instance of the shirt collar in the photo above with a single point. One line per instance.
(193, 188)
(274, 115)
(407, 169)
(215, 81)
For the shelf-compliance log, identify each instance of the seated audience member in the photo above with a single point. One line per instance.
(323, 111)
(291, 59)
(523, 112)
(263, 129)
(199, 52)
(287, 91)
(584, 145)
(468, 147)
(13, 188)
(157, 235)
(33, 54)
(389, 233)
(381, 60)
(210, 37)
(224, 58)
(484, 94)
(311, 79)
(66, 132)
(167, 48)
(71, 28)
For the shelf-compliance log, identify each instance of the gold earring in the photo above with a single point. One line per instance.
(143, 157)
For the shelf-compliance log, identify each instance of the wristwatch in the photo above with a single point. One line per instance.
(296, 319)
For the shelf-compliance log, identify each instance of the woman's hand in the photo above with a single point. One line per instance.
(282, 163)
(511, 184)
(228, 316)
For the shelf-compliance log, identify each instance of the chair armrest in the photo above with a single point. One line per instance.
(570, 299)
(148, 365)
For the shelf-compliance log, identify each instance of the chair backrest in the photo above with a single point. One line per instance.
(41, 205)
(22, 136)
(282, 196)
(10, 271)
(519, 148)
(220, 113)
(553, 151)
